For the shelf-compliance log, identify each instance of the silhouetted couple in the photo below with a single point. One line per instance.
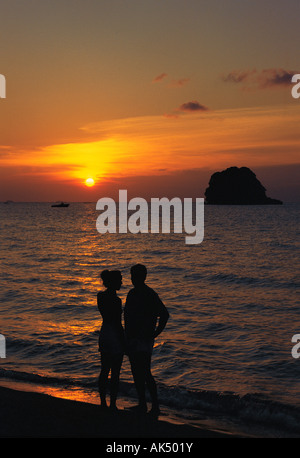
(145, 317)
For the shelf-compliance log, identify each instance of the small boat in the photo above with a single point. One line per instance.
(62, 204)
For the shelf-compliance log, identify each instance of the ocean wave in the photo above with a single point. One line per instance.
(52, 345)
(250, 409)
(49, 259)
(21, 376)
(251, 281)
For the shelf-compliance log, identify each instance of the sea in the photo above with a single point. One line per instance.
(225, 360)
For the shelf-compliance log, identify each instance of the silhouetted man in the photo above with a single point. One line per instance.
(142, 309)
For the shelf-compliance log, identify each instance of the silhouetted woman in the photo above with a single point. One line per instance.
(111, 337)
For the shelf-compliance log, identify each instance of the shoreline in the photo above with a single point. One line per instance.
(30, 414)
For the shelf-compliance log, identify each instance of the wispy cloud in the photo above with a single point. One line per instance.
(159, 78)
(176, 83)
(264, 79)
(144, 145)
(179, 83)
(238, 76)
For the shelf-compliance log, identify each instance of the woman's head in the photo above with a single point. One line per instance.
(112, 279)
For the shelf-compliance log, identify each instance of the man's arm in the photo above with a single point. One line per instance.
(163, 319)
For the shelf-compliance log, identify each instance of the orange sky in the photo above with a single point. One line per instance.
(131, 94)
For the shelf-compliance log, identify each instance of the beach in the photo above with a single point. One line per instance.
(224, 360)
(27, 414)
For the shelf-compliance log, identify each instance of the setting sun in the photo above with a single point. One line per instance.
(89, 182)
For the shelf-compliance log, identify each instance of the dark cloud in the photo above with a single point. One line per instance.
(264, 79)
(274, 77)
(188, 107)
(192, 106)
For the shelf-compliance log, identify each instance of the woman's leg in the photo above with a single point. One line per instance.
(103, 377)
(115, 377)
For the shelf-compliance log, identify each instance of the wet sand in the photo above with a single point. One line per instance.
(34, 415)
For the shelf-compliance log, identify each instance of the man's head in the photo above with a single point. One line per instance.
(138, 274)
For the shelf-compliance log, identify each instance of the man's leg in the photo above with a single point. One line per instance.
(138, 372)
(151, 384)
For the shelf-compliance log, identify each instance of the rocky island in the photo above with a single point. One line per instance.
(237, 186)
